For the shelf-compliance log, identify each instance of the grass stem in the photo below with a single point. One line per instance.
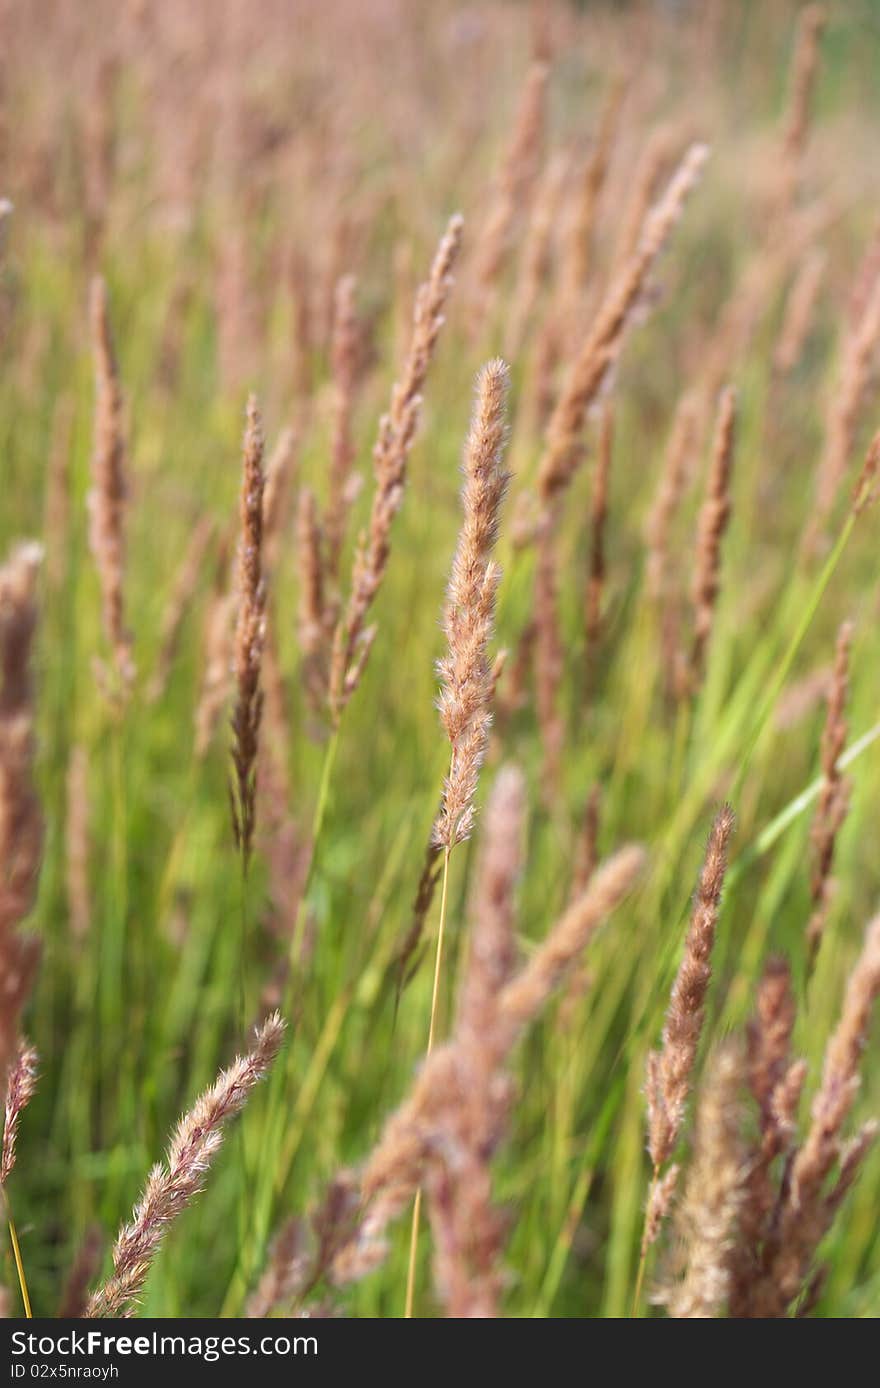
(19, 1264)
(432, 1028)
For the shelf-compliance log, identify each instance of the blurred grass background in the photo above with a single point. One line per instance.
(133, 1020)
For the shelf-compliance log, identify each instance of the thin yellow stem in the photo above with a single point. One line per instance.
(643, 1256)
(413, 1250)
(432, 1027)
(438, 958)
(19, 1265)
(640, 1278)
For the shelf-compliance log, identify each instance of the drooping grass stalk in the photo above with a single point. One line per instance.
(173, 1184)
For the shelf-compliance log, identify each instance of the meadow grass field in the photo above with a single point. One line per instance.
(246, 197)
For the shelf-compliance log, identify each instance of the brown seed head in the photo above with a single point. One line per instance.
(669, 1070)
(465, 671)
